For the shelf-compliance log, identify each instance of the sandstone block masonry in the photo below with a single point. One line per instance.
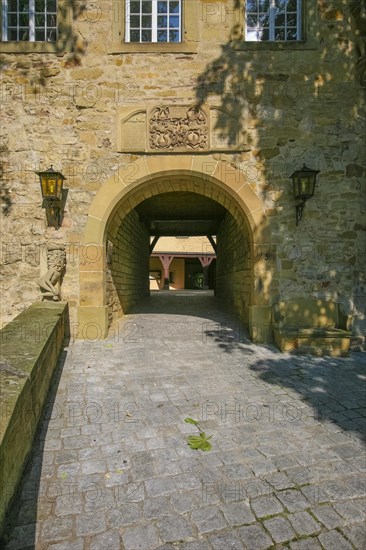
(127, 266)
(285, 104)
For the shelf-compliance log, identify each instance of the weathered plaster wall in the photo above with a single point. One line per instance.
(300, 103)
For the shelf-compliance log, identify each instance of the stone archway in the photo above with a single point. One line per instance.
(148, 176)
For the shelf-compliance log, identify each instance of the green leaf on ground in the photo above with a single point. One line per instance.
(199, 442)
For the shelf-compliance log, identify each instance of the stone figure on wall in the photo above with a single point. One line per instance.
(50, 282)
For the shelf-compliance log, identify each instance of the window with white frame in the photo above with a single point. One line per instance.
(154, 20)
(29, 20)
(273, 20)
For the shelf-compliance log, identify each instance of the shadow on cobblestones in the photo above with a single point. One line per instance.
(111, 467)
(335, 388)
(219, 326)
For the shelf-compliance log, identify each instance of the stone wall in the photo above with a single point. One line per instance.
(30, 347)
(127, 266)
(233, 283)
(288, 104)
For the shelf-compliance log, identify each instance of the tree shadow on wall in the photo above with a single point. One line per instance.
(280, 105)
(34, 81)
(69, 42)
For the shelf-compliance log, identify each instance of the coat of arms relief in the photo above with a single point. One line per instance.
(162, 129)
(174, 128)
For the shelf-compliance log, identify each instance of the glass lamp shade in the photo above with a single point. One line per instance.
(51, 184)
(304, 182)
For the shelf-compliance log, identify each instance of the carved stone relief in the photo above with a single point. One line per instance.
(178, 128)
(50, 282)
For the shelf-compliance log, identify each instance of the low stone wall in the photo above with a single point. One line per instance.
(29, 349)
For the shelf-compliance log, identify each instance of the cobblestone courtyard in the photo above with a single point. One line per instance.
(111, 468)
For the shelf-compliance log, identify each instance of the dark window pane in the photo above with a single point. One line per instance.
(135, 36)
(292, 34)
(39, 5)
(291, 20)
(24, 34)
(173, 36)
(146, 7)
(23, 5)
(251, 20)
(12, 34)
(12, 20)
(291, 5)
(162, 7)
(135, 21)
(280, 34)
(51, 35)
(12, 5)
(51, 5)
(24, 19)
(145, 36)
(134, 7)
(263, 20)
(40, 20)
(174, 22)
(51, 20)
(281, 5)
(162, 36)
(263, 35)
(251, 5)
(263, 5)
(39, 35)
(174, 7)
(280, 20)
(146, 21)
(162, 22)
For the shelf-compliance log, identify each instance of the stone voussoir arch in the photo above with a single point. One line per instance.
(141, 179)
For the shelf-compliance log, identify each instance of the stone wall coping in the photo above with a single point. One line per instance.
(23, 343)
(29, 349)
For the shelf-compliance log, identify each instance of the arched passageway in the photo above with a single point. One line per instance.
(177, 213)
(165, 195)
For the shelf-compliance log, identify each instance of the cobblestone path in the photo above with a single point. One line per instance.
(111, 468)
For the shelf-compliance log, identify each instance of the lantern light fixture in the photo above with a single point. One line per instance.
(52, 183)
(303, 187)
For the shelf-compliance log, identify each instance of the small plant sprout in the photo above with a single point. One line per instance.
(200, 441)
